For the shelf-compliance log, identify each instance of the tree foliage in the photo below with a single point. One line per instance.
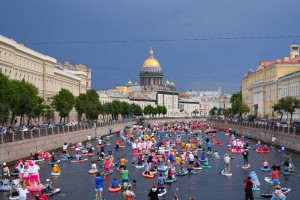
(238, 106)
(63, 103)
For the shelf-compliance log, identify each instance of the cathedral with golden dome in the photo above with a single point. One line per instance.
(151, 76)
(152, 91)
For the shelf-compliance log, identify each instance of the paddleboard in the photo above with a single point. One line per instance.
(93, 171)
(55, 174)
(265, 169)
(226, 174)
(162, 193)
(268, 180)
(171, 181)
(56, 191)
(246, 166)
(77, 161)
(286, 173)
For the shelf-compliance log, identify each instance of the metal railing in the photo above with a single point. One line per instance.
(30, 134)
(269, 127)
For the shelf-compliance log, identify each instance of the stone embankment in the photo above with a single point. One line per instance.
(287, 137)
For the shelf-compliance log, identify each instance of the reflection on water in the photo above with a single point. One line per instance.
(76, 183)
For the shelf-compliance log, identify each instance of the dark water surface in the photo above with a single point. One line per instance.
(207, 184)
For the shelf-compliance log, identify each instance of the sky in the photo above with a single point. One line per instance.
(113, 37)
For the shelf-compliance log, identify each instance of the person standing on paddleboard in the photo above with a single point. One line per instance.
(99, 185)
(227, 163)
(248, 189)
(245, 155)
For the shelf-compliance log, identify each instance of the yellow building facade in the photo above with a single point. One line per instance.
(18, 62)
(261, 87)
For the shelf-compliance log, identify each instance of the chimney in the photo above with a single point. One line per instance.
(278, 60)
(286, 58)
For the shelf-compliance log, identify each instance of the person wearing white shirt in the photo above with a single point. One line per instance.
(227, 163)
(23, 192)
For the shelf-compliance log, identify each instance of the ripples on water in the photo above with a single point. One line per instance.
(207, 184)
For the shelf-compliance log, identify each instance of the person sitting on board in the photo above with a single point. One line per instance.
(182, 169)
(278, 194)
(266, 148)
(216, 155)
(259, 148)
(115, 183)
(48, 186)
(78, 156)
(266, 164)
(197, 163)
(56, 169)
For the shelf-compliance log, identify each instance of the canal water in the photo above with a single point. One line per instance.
(207, 184)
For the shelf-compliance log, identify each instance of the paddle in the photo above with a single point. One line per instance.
(99, 165)
(269, 188)
(239, 163)
(132, 178)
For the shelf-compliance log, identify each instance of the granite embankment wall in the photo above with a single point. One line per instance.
(19, 149)
(16, 149)
(290, 140)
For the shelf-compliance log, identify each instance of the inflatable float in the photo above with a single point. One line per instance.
(148, 175)
(93, 171)
(115, 189)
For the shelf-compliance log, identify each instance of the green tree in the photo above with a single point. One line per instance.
(136, 110)
(37, 109)
(148, 110)
(81, 104)
(63, 103)
(4, 113)
(195, 112)
(93, 104)
(212, 112)
(290, 106)
(226, 111)
(154, 112)
(48, 112)
(237, 104)
(159, 109)
(164, 110)
(117, 109)
(278, 108)
(126, 109)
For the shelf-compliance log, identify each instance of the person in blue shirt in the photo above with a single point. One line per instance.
(209, 146)
(160, 183)
(99, 185)
(159, 143)
(114, 183)
(202, 156)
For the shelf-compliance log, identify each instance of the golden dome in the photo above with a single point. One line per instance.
(129, 82)
(167, 82)
(172, 83)
(136, 84)
(151, 61)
